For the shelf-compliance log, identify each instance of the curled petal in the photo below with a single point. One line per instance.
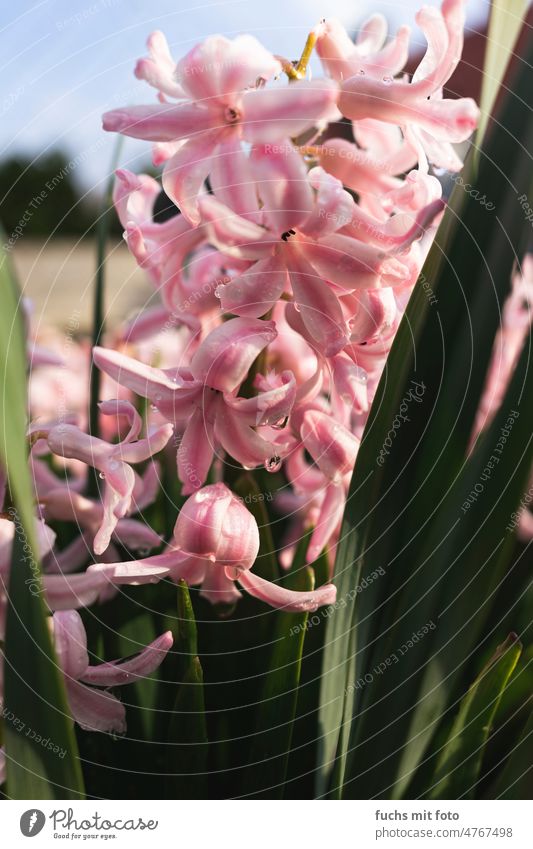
(144, 380)
(185, 173)
(242, 442)
(269, 407)
(119, 672)
(158, 69)
(70, 642)
(331, 445)
(95, 710)
(289, 600)
(255, 292)
(233, 234)
(225, 356)
(328, 521)
(334, 207)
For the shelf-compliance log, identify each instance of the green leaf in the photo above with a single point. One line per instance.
(41, 751)
(459, 765)
(506, 18)
(403, 505)
(187, 737)
(515, 781)
(248, 489)
(13, 447)
(271, 744)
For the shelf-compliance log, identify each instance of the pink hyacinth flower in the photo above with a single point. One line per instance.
(225, 102)
(97, 709)
(202, 400)
(418, 105)
(215, 544)
(112, 461)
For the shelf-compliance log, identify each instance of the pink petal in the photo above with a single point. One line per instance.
(123, 408)
(232, 234)
(231, 178)
(218, 69)
(70, 641)
(241, 442)
(195, 452)
(275, 114)
(166, 122)
(185, 173)
(269, 407)
(329, 519)
(158, 70)
(217, 588)
(331, 445)
(119, 672)
(95, 710)
(334, 207)
(225, 356)
(319, 307)
(281, 177)
(255, 292)
(288, 600)
(143, 449)
(144, 380)
(65, 592)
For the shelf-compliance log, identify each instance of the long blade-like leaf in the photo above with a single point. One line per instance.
(460, 762)
(41, 750)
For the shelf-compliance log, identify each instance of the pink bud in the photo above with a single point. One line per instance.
(215, 525)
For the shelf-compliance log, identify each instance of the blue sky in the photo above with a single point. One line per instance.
(65, 62)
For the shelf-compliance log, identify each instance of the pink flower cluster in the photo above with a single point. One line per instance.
(306, 209)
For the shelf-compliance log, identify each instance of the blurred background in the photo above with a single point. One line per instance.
(64, 63)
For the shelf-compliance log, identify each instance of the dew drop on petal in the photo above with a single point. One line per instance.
(101, 476)
(360, 375)
(273, 464)
(387, 80)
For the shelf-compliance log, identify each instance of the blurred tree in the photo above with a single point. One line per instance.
(44, 194)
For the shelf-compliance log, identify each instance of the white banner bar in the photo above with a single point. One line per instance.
(268, 825)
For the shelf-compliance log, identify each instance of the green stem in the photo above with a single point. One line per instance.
(102, 233)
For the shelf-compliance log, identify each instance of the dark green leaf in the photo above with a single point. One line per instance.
(271, 743)
(460, 761)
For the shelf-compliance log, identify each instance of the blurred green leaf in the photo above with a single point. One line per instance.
(460, 761)
(516, 778)
(42, 756)
(506, 18)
